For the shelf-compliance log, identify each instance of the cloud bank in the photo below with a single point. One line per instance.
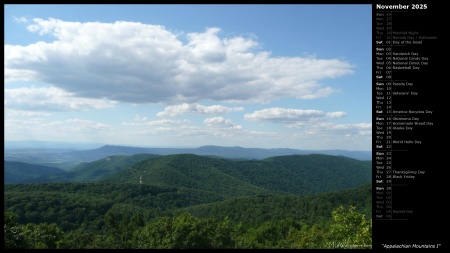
(143, 63)
(50, 99)
(288, 115)
(181, 109)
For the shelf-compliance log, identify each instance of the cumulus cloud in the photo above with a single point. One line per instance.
(143, 63)
(73, 129)
(221, 122)
(356, 129)
(218, 126)
(164, 127)
(50, 99)
(335, 114)
(293, 116)
(177, 110)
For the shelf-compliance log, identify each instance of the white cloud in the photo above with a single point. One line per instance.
(27, 114)
(165, 128)
(74, 129)
(83, 124)
(356, 129)
(158, 123)
(291, 116)
(221, 122)
(50, 99)
(21, 124)
(177, 110)
(335, 114)
(218, 126)
(20, 19)
(142, 63)
(138, 117)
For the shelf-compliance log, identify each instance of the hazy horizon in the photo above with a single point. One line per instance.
(98, 145)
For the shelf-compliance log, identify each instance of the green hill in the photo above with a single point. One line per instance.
(254, 210)
(293, 174)
(96, 170)
(149, 201)
(84, 205)
(190, 171)
(72, 204)
(16, 172)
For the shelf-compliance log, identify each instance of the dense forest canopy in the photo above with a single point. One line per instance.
(191, 201)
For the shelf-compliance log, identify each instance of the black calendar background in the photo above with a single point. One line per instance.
(425, 195)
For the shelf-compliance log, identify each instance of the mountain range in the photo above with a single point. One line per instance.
(112, 201)
(66, 158)
(19, 172)
(292, 174)
(226, 152)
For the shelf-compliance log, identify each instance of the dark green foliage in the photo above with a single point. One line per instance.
(189, 201)
(14, 236)
(350, 229)
(96, 170)
(185, 232)
(295, 174)
(83, 204)
(122, 230)
(310, 209)
(18, 172)
(30, 236)
(188, 171)
(320, 173)
(67, 210)
(43, 235)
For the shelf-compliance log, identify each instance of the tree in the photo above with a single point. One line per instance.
(43, 235)
(224, 234)
(350, 230)
(306, 238)
(14, 236)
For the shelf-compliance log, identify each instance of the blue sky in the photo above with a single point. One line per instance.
(267, 76)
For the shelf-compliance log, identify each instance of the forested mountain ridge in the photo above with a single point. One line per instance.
(294, 174)
(85, 202)
(253, 210)
(94, 171)
(16, 172)
(190, 171)
(191, 201)
(210, 150)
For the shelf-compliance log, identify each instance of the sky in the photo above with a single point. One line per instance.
(261, 76)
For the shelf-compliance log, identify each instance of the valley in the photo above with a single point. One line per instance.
(120, 201)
